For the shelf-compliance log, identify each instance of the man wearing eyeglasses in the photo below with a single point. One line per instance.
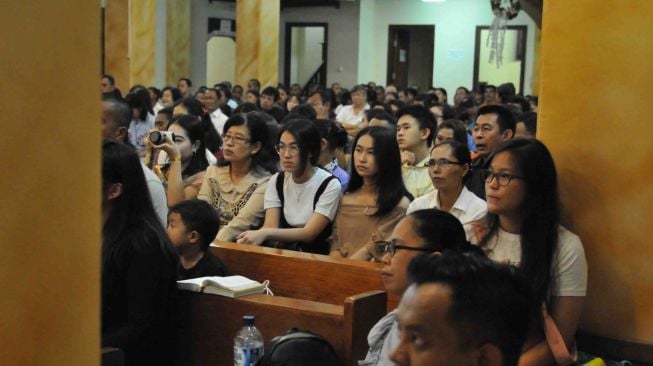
(494, 124)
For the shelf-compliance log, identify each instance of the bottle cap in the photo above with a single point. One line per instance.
(248, 320)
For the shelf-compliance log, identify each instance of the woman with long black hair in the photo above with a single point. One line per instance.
(522, 228)
(139, 264)
(376, 198)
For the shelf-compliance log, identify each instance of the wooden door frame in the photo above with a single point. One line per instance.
(392, 27)
(477, 53)
(288, 47)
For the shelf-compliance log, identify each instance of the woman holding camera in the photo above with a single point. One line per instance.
(187, 163)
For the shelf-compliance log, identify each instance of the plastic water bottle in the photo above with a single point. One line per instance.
(248, 344)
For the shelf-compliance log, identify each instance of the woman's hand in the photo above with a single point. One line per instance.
(169, 146)
(256, 237)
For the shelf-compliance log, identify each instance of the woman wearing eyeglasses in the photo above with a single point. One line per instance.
(300, 202)
(236, 186)
(448, 167)
(522, 228)
(424, 232)
(376, 198)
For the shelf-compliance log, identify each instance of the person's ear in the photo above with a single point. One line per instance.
(114, 191)
(425, 133)
(323, 144)
(508, 134)
(489, 355)
(196, 145)
(121, 134)
(194, 237)
(465, 170)
(256, 147)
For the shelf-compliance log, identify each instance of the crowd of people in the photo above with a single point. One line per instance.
(457, 199)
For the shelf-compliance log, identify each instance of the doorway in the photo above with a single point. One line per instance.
(514, 59)
(306, 54)
(410, 56)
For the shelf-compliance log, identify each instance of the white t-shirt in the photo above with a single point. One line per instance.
(298, 198)
(467, 208)
(570, 265)
(346, 115)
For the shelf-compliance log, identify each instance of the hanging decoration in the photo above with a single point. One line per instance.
(503, 10)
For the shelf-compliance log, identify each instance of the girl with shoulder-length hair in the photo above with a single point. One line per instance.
(236, 186)
(138, 264)
(376, 198)
(522, 228)
(300, 202)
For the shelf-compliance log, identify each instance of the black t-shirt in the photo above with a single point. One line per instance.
(277, 113)
(209, 265)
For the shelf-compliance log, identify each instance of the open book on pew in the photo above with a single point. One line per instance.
(231, 286)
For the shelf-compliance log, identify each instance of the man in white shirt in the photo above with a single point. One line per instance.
(211, 103)
(351, 116)
(415, 131)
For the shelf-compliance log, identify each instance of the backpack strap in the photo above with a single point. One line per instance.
(282, 219)
(279, 186)
(321, 190)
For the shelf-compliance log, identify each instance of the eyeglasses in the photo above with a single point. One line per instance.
(442, 162)
(235, 139)
(503, 178)
(292, 149)
(391, 248)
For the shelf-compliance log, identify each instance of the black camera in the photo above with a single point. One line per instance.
(159, 137)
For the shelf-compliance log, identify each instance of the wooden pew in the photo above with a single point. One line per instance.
(305, 276)
(332, 297)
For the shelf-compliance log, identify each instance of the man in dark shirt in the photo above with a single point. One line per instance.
(494, 124)
(269, 97)
(192, 226)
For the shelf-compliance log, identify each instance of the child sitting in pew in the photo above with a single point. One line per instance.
(192, 226)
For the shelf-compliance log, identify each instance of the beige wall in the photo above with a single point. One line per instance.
(595, 117)
(257, 44)
(50, 216)
(116, 41)
(178, 41)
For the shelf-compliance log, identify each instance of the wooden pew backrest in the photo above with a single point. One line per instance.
(303, 275)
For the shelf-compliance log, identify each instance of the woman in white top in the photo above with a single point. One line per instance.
(522, 228)
(300, 202)
(236, 187)
(448, 167)
(351, 116)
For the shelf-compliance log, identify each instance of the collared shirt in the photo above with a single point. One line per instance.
(219, 119)
(417, 179)
(347, 115)
(467, 208)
